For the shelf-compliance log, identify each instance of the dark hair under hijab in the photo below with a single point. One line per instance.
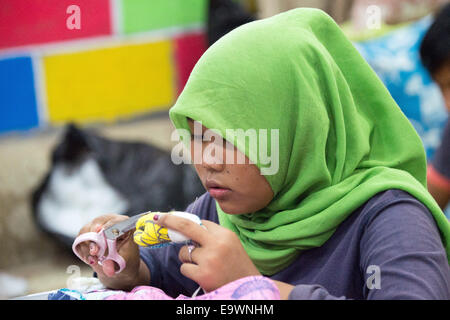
(435, 46)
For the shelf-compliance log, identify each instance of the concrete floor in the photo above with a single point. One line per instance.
(26, 252)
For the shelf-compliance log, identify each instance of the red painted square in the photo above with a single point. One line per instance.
(188, 49)
(24, 22)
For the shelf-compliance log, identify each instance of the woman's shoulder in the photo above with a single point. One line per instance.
(391, 216)
(401, 238)
(396, 217)
(399, 202)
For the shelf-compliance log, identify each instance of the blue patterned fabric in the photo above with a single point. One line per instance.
(395, 58)
(66, 294)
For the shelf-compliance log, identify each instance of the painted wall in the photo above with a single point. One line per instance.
(94, 61)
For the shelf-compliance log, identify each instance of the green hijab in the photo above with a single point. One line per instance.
(342, 138)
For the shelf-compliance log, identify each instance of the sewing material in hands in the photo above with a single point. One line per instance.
(149, 234)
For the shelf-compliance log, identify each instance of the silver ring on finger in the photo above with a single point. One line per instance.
(191, 248)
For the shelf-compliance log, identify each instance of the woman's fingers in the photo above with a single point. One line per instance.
(186, 227)
(191, 271)
(89, 249)
(92, 260)
(212, 227)
(185, 257)
(219, 260)
(83, 250)
(109, 268)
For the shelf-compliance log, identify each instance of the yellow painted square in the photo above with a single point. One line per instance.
(109, 83)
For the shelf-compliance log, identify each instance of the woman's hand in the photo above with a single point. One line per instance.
(134, 270)
(219, 258)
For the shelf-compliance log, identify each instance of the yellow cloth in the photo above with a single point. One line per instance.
(148, 233)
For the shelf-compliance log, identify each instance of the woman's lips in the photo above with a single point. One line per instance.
(216, 190)
(218, 193)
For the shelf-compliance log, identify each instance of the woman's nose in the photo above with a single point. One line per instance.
(212, 157)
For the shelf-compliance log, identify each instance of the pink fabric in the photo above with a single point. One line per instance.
(248, 288)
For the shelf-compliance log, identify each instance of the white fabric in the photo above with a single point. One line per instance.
(77, 196)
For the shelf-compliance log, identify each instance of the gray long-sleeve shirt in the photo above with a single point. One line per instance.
(389, 248)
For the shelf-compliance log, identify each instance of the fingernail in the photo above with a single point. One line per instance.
(156, 217)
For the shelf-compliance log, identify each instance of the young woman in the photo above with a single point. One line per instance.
(346, 215)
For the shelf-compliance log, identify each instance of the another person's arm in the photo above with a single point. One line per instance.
(438, 186)
(438, 174)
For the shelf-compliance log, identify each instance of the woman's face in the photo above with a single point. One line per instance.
(442, 78)
(238, 188)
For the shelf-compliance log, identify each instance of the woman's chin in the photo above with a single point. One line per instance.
(230, 208)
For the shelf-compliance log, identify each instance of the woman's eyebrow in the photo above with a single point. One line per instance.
(200, 136)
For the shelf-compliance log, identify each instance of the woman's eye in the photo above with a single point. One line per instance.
(196, 137)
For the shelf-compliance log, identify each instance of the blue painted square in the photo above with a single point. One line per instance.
(18, 107)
